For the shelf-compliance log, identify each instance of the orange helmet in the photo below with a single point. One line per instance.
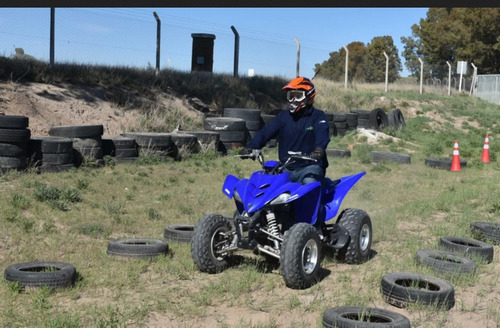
(300, 93)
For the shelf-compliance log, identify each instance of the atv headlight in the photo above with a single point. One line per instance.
(281, 199)
(237, 196)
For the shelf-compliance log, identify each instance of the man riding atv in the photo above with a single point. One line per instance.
(303, 128)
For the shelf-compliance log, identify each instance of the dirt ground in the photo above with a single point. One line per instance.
(49, 105)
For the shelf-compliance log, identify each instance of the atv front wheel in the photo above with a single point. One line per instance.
(300, 256)
(359, 225)
(210, 236)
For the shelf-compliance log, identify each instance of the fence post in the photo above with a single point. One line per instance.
(449, 77)
(158, 38)
(346, 65)
(298, 55)
(386, 70)
(474, 76)
(421, 74)
(52, 39)
(236, 50)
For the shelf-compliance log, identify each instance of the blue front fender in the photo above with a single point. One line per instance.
(229, 185)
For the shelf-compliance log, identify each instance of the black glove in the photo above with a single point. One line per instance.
(318, 154)
(254, 153)
(245, 151)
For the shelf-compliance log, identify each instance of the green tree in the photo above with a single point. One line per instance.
(376, 60)
(364, 63)
(454, 34)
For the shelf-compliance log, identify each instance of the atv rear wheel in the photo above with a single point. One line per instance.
(359, 225)
(300, 256)
(210, 236)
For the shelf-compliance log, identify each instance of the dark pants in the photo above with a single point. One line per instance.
(307, 174)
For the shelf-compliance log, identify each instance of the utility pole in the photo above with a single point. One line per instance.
(298, 55)
(158, 38)
(346, 65)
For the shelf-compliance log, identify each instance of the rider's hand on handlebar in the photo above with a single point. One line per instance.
(318, 154)
(249, 153)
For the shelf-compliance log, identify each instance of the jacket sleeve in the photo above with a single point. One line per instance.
(268, 132)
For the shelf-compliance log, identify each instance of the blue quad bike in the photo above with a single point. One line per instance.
(284, 220)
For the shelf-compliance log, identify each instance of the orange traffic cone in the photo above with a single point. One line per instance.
(455, 161)
(485, 158)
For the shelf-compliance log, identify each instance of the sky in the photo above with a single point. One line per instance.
(269, 38)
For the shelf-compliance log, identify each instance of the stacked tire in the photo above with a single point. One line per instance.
(207, 140)
(14, 140)
(153, 144)
(52, 154)
(123, 149)
(352, 120)
(331, 124)
(340, 123)
(252, 117)
(375, 119)
(232, 131)
(185, 143)
(87, 142)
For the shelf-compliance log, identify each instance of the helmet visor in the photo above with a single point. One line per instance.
(295, 95)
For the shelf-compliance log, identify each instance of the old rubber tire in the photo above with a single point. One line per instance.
(210, 236)
(399, 118)
(335, 152)
(378, 119)
(39, 274)
(487, 230)
(181, 233)
(363, 317)
(301, 256)
(383, 156)
(445, 262)
(77, 131)
(404, 288)
(56, 145)
(468, 247)
(359, 225)
(137, 247)
(15, 135)
(14, 122)
(443, 163)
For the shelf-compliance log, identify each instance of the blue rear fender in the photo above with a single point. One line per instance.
(333, 197)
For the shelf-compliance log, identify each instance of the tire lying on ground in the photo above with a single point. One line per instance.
(363, 317)
(468, 247)
(336, 152)
(404, 288)
(181, 233)
(445, 262)
(443, 163)
(487, 231)
(382, 156)
(137, 247)
(39, 274)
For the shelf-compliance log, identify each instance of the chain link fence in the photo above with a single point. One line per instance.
(108, 36)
